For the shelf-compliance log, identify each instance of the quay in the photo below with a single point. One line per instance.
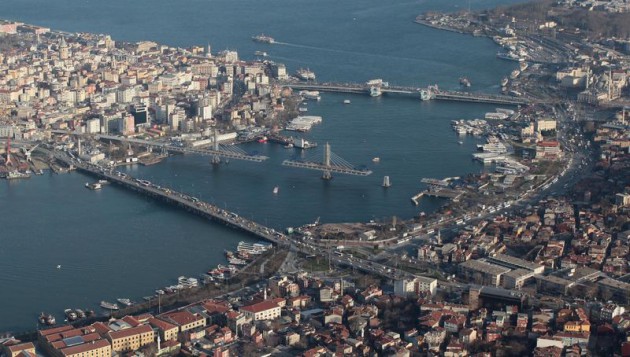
(428, 93)
(437, 192)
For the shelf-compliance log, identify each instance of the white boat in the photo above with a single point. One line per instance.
(275, 190)
(109, 305)
(376, 159)
(310, 94)
(302, 110)
(125, 301)
(261, 53)
(346, 101)
(305, 74)
(262, 38)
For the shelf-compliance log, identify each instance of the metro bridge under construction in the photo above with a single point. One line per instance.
(377, 88)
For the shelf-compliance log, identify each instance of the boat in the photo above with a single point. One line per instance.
(47, 319)
(303, 144)
(514, 74)
(386, 182)
(89, 313)
(523, 66)
(93, 186)
(302, 110)
(261, 53)
(70, 314)
(460, 142)
(376, 159)
(262, 139)
(504, 81)
(13, 175)
(80, 313)
(465, 82)
(305, 74)
(288, 146)
(275, 190)
(496, 116)
(109, 305)
(375, 91)
(262, 38)
(510, 56)
(125, 301)
(103, 182)
(346, 101)
(310, 94)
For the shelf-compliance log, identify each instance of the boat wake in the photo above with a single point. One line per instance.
(334, 50)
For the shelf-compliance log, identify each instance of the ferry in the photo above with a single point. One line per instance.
(464, 82)
(310, 94)
(109, 305)
(262, 38)
(510, 56)
(261, 53)
(13, 175)
(305, 74)
(376, 159)
(93, 186)
(125, 301)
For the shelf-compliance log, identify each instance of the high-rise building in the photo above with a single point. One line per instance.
(140, 113)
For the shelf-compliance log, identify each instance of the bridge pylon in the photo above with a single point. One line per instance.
(216, 159)
(327, 175)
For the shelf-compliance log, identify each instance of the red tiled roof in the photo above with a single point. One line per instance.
(162, 325)
(21, 347)
(259, 307)
(84, 347)
(181, 317)
(55, 330)
(114, 335)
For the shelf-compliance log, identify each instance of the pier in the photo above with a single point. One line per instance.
(428, 93)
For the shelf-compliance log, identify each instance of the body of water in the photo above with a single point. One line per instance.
(113, 243)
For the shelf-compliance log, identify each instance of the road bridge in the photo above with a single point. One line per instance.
(217, 152)
(189, 203)
(428, 93)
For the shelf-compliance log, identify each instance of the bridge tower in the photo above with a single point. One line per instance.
(327, 174)
(216, 159)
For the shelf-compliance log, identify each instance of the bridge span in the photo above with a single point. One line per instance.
(216, 152)
(428, 93)
(187, 202)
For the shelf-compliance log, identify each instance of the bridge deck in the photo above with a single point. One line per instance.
(321, 167)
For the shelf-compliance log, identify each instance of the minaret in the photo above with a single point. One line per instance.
(158, 343)
(209, 51)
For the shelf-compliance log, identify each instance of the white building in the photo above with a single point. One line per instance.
(265, 310)
(93, 126)
(416, 285)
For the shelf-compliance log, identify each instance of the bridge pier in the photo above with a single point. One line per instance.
(327, 175)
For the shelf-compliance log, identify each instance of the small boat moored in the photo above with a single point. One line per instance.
(109, 305)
